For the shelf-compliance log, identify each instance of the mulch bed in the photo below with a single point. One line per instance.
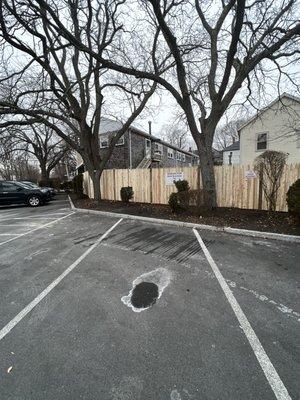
(265, 221)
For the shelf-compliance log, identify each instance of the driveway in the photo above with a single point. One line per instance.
(224, 323)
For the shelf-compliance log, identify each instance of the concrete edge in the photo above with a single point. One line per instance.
(233, 231)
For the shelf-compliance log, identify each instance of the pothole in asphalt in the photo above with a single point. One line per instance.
(146, 289)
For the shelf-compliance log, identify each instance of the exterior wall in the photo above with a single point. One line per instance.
(120, 158)
(137, 149)
(280, 122)
(120, 155)
(235, 159)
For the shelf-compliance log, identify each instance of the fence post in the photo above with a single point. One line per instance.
(114, 183)
(151, 194)
(260, 188)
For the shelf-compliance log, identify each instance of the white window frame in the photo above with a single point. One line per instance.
(178, 156)
(256, 141)
(182, 157)
(104, 139)
(121, 141)
(170, 153)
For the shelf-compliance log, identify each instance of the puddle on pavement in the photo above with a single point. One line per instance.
(147, 289)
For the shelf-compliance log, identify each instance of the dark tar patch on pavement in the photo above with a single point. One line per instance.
(144, 295)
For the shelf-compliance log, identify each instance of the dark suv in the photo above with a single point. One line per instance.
(12, 192)
(50, 190)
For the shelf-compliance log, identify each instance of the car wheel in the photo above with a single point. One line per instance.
(34, 201)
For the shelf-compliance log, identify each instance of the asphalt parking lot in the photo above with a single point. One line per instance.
(225, 324)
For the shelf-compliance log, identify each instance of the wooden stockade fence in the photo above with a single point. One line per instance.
(234, 189)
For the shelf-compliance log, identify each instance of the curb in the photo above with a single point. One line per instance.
(233, 231)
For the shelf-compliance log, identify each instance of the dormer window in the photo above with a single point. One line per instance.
(261, 141)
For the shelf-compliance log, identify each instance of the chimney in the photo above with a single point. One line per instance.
(233, 139)
(150, 127)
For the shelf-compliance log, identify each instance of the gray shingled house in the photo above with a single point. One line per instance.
(138, 149)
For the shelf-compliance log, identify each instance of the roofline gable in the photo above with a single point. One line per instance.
(259, 112)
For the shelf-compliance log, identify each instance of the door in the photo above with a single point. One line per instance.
(11, 193)
(148, 148)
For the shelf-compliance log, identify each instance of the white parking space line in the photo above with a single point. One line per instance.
(21, 225)
(270, 372)
(9, 234)
(39, 227)
(4, 331)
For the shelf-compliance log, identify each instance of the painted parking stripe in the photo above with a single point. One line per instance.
(4, 331)
(21, 225)
(33, 217)
(269, 370)
(39, 227)
(9, 234)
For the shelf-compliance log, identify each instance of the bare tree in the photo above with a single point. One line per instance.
(40, 142)
(204, 53)
(16, 164)
(227, 134)
(176, 134)
(270, 166)
(54, 83)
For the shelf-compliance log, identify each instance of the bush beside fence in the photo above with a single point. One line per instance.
(234, 189)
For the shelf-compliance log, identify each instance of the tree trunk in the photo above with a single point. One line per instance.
(207, 175)
(95, 176)
(45, 175)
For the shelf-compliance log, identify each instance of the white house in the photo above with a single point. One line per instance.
(276, 127)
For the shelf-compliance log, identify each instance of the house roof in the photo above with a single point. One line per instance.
(109, 126)
(233, 146)
(258, 114)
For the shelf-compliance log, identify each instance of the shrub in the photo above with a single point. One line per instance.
(126, 194)
(78, 184)
(180, 201)
(174, 202)
(182, 186)
(270, 165)
(293, 199)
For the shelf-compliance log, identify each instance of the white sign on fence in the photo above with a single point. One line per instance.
(250, 174)
(170, 177)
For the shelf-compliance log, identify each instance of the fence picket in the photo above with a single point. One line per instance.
(233, 189)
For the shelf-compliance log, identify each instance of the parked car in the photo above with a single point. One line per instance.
(12, 192)
(50, 190)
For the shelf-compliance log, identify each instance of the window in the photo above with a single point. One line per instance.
(120, 142)
(178, 156)
(170, 153)
(103, 142)
(261, 141)
(183, 157)
(158, 148)
(8, 187)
